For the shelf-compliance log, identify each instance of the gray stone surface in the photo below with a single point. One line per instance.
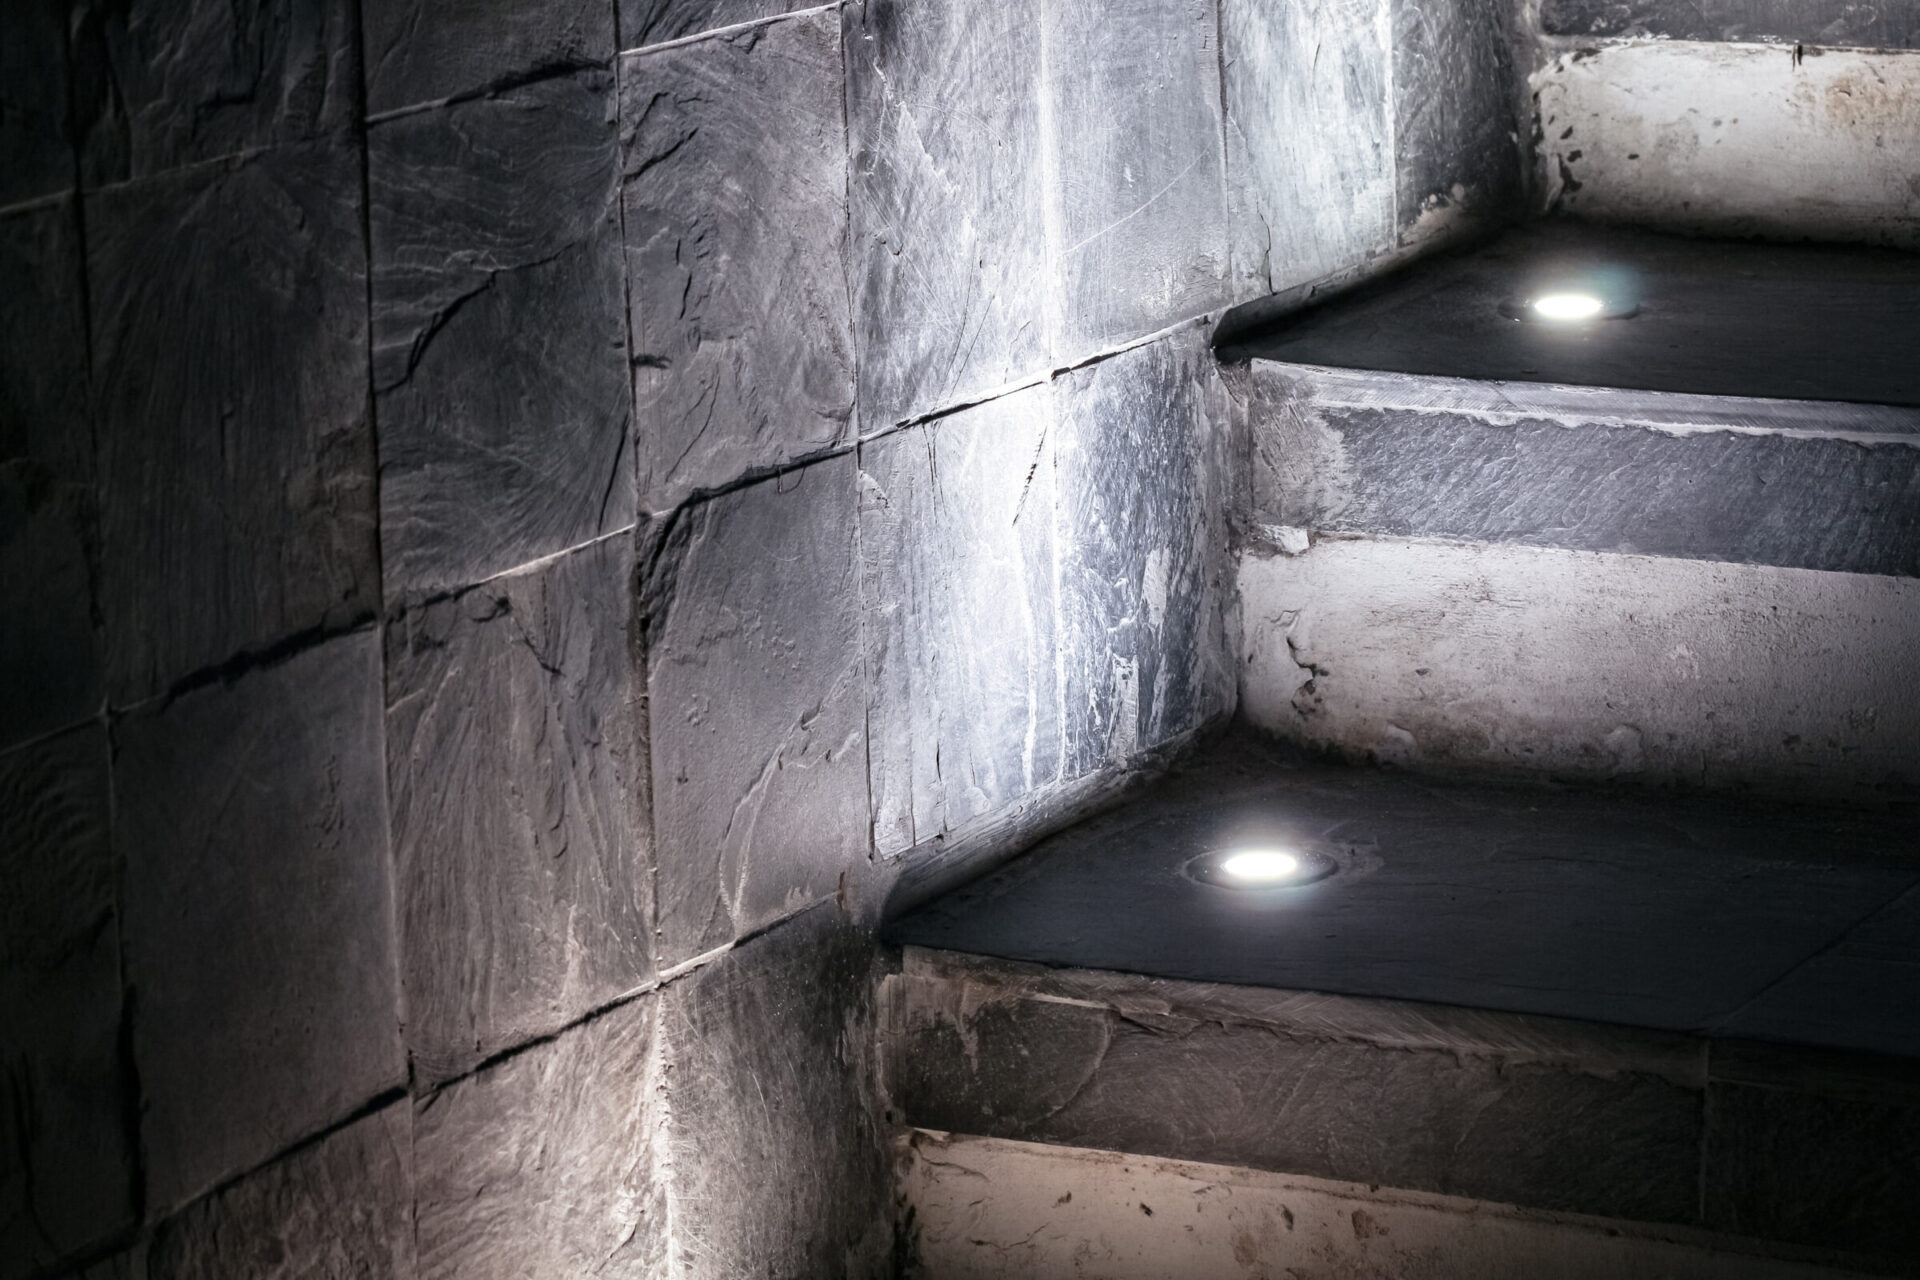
(948, 224)
(1892, 24)
(337, 1208)
(1455, 1117)
(499, 342)
(1456, 138)
(517, 775)
(47, 510)
(165, 83)
(36, 154)
(736, 257)
(1137, 201)
(66, 1126)
(237, 470)
(1822, 498)
(1140, 451)
(1813, 1169)
(430, 50)
(1665, 913)
(1310, 164)
(757, 705)
(648, 22)
(1860, 993)
(546, 1164)
(777, 1156)
(251, 821)
(963, 639)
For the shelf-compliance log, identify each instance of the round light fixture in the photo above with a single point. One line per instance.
(1568, 306)
(1260, 867)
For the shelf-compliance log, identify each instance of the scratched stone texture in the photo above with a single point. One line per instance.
(950, 263)
(47, 473)
(546, 1163)
(517, 775)
(340, 1207)
(777, 1158)
(163, 83)
(1140, 450)
(237, 486)
(964, 646)
(1310, 164)
(649, 22)
(258, 908)
(499, 335)
(67, 1178)
(1455, 131)
(430, 50)
(736, 254)
(1137, 214)
(757, 705)
(36, 150)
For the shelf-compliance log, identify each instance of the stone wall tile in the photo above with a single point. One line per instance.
(165, 83)
(1138, 214)
(340, 1207)
(499, 341)
(1455, 133)
(47, 510)
(251, 820)
(431, 50)
(237, 470)
(736, 254)
(1310, 166)
(36, 151)
(646, 22)
(963, 640)
(757, 705)
(66, 1179)
(948, 226)
(1142, 490)
(778, 1164)
(1813, 1169)
(517, 776)
(545, 1164)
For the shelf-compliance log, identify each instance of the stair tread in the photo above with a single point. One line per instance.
(1786, 321)
(1692, 914)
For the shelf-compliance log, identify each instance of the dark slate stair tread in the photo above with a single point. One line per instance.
(1803, 322)
(1663, 913)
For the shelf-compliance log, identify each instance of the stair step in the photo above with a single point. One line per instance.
(1668, 913)
(1726, 318)
(1794, 483)
(1654, 1011)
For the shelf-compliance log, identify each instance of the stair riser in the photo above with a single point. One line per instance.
(985, 1209)
(1807, 1148)
(1734, 140)
(1808, 486)
(1588, 666)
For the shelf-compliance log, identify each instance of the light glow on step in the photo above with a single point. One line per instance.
(1262, 866)
(1568, 306)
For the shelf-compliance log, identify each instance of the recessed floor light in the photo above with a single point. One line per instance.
(1260, 867)
(1568, 306)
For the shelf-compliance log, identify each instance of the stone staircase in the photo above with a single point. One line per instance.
(1587, 656)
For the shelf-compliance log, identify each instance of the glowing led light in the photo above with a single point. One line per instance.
(1568, 306)
(1266, 865)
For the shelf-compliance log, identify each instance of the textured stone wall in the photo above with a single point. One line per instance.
(525, 522)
